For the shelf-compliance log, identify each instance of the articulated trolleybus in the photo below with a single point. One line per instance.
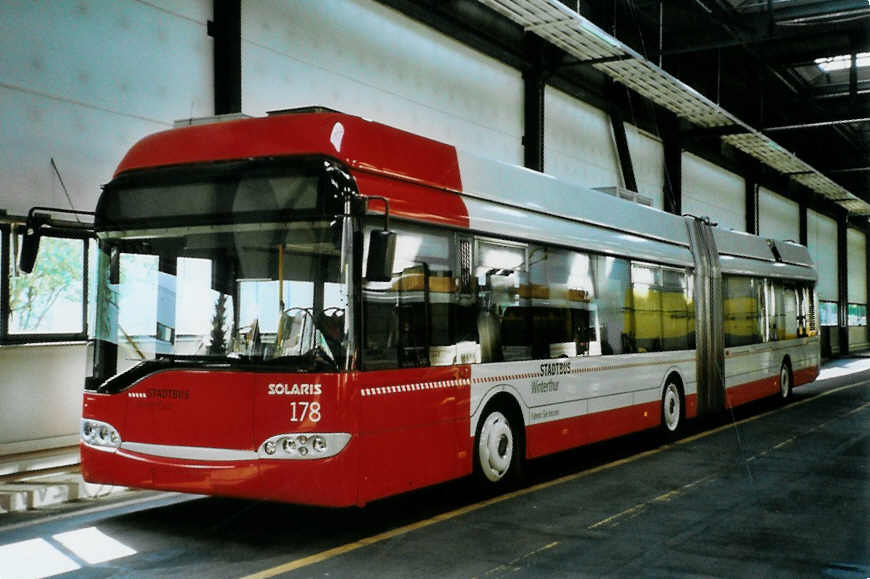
(315, 308)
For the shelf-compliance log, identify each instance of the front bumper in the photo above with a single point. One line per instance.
(323, 482)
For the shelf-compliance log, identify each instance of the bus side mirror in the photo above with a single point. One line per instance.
(382, 252)
(30, 241)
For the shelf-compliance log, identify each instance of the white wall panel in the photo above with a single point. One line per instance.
(40, 396)
(856, 250)
(822, 244)
(648, 162)
(81, 81)
(858, 338)
(778, 217)
(362, 58)
(578, 142)
(710, 190)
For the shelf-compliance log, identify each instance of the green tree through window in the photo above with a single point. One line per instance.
(49, 300)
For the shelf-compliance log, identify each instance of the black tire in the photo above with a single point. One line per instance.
(673, 409)
(499, 448)
(785, 381)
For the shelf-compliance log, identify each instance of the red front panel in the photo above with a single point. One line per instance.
(307, 403)
(409, 429)
(191, 408)
(287, 403)
(227, 412)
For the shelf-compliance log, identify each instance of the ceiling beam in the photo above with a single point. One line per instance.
(816, 124)
(821, 12)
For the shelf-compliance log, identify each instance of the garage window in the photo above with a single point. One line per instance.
(49, 304)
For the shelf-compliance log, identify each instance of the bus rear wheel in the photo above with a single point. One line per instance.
(672, 409)
(497, 449)
(785, 381)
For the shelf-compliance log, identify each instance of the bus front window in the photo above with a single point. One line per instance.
(265, 293)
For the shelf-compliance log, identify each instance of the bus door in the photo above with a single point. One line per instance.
(411, 386)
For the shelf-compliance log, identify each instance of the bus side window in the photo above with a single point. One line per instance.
(743, 310)
(792, 324)
(647, 289)
(678, 317)
(380, 310)
(615, 310)
(414, 316)
(503, 321)
(409, 320)
(776, 320)
(564, 318)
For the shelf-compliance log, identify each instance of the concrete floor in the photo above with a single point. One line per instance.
(770, 491)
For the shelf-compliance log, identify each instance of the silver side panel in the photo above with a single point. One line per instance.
(793, 253)
(776, 269)
(708, 318)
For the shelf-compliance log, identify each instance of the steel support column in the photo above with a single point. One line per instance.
(673, 150)
(622, 151)
(533, 119)
(226, 29)
(533, 107)
(843, 285)
(751, 205)
(802, 220)
(867, 278)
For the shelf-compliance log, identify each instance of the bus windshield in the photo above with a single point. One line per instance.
(249, 292)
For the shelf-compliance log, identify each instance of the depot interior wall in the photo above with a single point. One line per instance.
(822, 245)
(710, 190)
(362, 58)
(578, 142)
(778, 217)
(40, 396)
(648, 163)
(82, 81)
(856, 251)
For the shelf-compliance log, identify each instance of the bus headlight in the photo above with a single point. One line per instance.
(303, 446)
(100, 435)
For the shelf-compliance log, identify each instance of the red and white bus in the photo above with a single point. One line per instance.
(264, 330)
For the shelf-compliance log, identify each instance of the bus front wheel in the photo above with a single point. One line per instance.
(498, 448)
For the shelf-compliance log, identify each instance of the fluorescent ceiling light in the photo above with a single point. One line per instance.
(843, 61)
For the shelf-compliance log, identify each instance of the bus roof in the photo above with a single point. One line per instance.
(429, 181)
(357, 142)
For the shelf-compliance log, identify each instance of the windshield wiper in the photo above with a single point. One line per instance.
(213, 360)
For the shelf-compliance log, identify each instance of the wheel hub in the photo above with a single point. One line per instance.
(672, 408)
(496, 447)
